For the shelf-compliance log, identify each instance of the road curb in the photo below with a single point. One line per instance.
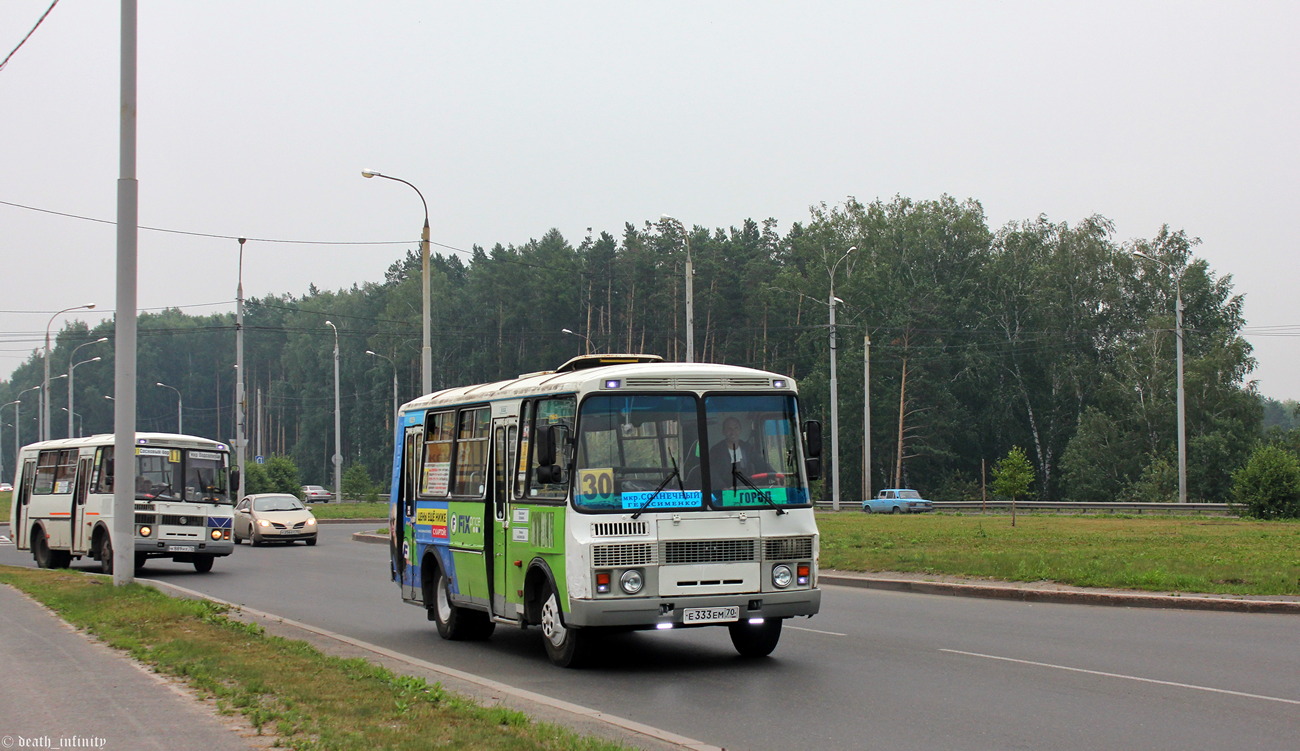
(485, 690)
(1072, 596)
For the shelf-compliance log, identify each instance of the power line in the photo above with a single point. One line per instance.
(29, 35)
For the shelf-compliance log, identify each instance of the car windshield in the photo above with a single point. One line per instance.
(908, 494)
(659, 452)
(277, 503)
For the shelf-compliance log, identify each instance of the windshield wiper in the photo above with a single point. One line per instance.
(671, 474)
(736, 474)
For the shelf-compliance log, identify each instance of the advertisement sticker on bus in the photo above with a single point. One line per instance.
(430, 523)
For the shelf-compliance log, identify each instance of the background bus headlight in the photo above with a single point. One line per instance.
(216, 534)
(782, 576)
(631, 581)
(145, 531)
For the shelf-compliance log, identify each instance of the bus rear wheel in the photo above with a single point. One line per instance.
(567, 647)
(41, 552)
(456, 623)
(755, 639)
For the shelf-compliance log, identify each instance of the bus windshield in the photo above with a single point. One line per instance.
(659, 452)
(162, 475)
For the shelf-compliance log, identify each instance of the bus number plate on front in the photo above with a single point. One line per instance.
(180, 548)
(711, 615)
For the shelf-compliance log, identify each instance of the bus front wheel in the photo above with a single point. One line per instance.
(567, 647)
(203, 563)
(456, 623)
(755, 639)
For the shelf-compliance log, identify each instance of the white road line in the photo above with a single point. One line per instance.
(1125, 677)
(815, 631)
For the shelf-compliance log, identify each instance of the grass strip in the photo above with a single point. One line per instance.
(285, 688)
(364, 510)
(1166, 554)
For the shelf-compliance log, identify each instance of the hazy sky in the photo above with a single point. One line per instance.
(256, 118)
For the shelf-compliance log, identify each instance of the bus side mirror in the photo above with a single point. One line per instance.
(545, 445)
(812, 431)
(234, 480)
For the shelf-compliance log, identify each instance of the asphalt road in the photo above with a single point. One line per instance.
(874, 670)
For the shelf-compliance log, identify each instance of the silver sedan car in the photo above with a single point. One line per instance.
(273, 517)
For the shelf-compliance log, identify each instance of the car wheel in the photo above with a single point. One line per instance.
(866, 509)
(897, 510)
(755, 640)
(310, 541)
(256, 540)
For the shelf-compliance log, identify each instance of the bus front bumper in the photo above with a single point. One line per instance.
(660, 612)
(168, 548)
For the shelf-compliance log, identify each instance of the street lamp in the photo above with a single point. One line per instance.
(1178, 357)
(690, 291)
(18, 427)
(835, 391)
(45, 420)
(72, 359)
(390, 362)
(71, 372)
(584, 337)
(180, 424)
(426, 352)
(79, 417)
(338, 442)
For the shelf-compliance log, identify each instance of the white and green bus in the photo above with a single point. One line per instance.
(62, 507)
(616, 492)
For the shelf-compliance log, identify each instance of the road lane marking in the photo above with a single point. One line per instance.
(815, 631)
(1125, 677)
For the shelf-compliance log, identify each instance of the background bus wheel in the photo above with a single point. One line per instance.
(203, 563)
(567, 647)
(140, 559)
(106, 555)
(455, 623)
(41, 552)
(755, 640)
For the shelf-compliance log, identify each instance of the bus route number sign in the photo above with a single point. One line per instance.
(596, 486)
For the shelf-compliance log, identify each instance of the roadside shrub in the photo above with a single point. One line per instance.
(357, 485)
(278, 475)
(1269, 484)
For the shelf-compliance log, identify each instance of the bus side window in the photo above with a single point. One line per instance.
(557, 414)
(102, 476)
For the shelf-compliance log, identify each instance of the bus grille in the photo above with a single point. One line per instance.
(784, 548)
(709, 551)
(618, 529)
(183, 521)
(146, 519)
(636, 554)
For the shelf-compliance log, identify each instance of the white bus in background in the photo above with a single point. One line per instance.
(62, 507)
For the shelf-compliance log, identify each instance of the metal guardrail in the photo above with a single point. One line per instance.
(1068, 507)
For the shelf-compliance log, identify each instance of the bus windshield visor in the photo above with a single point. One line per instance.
(753, 456)
(638, 453)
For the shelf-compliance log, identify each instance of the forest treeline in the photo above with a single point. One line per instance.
(1048, 336)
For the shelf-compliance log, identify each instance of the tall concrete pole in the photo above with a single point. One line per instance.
(124, 329)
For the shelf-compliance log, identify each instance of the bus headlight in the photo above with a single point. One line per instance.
(216, 534)
(782, 576)
(631, 581)
(146, 531)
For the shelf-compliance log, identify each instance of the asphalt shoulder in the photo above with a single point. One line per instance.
(1052, 592)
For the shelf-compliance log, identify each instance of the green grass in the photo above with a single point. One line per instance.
(1211, 555)
(285, 688)
(5, 498)
(376, 510)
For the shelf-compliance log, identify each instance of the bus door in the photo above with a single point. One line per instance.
(402, 516)
(81, 524)
(19, 525)
(498, 542)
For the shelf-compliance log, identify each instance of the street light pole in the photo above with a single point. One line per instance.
(866, 416)
(835, 392)
(1178, 358)
(584, 337)
(690, 291)
(18, 427)
(395, 404)
(338, 442)
(71, 373)
(180, 424)
(45, 393)
(79, 417)
(426, 350)
(241, 450)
